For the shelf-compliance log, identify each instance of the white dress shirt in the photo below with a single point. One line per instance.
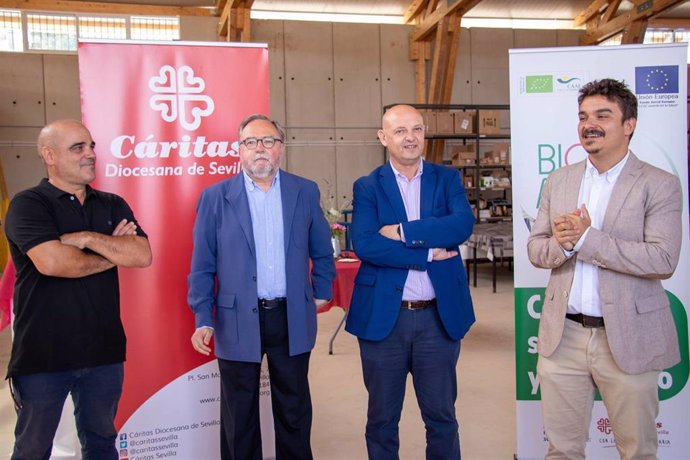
(595, 192)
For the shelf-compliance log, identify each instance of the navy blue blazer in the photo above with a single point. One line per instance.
(222, 281)
(446, 221)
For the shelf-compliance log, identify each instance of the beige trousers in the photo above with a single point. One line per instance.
(568, 378)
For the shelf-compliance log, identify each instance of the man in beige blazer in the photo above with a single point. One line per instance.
(609, 228)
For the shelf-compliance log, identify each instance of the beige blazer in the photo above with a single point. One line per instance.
(638, 245)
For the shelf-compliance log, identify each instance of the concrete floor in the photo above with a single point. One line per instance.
(486, 376)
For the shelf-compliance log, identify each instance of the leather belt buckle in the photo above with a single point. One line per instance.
(270, 304)
(586, 320)
(417, 304)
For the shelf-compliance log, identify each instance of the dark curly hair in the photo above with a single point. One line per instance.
(613, 90)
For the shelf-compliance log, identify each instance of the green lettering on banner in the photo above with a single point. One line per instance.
(548, 162)
(528, 305)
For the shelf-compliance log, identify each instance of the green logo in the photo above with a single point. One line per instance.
(539, 84)
(528, 305)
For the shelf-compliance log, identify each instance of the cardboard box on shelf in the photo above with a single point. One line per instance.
(499, 155)
(464, 155)
(429, 121)
(463, 122)
(488, 122)
(503, 150)
(444, 123)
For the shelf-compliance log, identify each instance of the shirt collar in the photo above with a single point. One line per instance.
(611, 175)
(400, 175)
(250, 184)
(57, 193)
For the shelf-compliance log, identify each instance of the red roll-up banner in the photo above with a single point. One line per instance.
(164, 118)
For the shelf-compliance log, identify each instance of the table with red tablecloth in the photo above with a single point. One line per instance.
(346, 269)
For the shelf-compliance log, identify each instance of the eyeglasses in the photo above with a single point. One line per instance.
(253, 142)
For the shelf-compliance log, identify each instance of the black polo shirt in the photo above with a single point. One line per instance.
(63, 323)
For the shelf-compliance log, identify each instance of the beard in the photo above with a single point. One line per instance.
(589, 146)
(261, 170)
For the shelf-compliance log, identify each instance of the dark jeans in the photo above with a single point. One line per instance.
(240, 431)
(40, 398)
(418, 345)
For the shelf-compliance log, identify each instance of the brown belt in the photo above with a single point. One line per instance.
(417, 304)
(270, 304)
(586, 321)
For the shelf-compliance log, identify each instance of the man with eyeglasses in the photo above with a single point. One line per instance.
(253, 291)
(411, 303)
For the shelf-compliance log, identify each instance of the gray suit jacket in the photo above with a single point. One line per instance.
(638, 246)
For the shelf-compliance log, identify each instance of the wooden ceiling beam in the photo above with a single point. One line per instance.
(634, 32)
(643, 10)
(427, 27)
(610, 12)
(588, 13)
(235, 20)
(669, 23)
(106, 8)
(414, 10)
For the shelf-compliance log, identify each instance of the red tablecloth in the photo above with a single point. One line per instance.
(343, 284)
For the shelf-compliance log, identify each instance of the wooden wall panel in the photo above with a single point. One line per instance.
(309, 74)
(198, 28)
(397, 70)
(357, 69)
(490, 65)
(357, 153)
(569, 37)
(21, 90)
(535, 38)
(311, 154)
(20, 162)
(271, 32)
(490, 48)
(462, 80)
(61, 87)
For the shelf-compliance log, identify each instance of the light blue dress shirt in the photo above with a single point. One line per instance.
(418, 284)
(266, 209)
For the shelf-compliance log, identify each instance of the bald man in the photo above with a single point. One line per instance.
(411, 303)
(66, 241)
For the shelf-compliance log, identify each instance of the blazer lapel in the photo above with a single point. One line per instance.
(571, 192)
(390, 188)
(626, 181)
(236, 196)
(428, 188)
(289, 194)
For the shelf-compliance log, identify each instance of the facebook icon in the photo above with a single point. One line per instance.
(661, 79)
(123, 437)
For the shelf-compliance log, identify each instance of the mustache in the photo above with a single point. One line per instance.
(589, 131)
(261, 156)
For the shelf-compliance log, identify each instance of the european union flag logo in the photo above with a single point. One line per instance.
(662, 79)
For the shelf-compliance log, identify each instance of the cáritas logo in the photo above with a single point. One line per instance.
(178, 96)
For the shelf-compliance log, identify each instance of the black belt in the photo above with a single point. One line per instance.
(417, 304)
(586, 321)
(270, 304)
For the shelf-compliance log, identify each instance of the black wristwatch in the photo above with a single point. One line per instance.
(399, 234)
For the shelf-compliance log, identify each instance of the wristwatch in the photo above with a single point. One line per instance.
(398, 230)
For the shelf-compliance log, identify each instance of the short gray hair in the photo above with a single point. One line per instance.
(258, 116)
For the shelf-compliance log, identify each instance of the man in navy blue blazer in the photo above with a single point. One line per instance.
(253, 292)
(411, 303)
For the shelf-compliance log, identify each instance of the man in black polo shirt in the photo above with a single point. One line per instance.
(66, 241)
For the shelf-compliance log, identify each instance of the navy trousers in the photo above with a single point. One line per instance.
(40, 398)
(240, 430)
(420, 346)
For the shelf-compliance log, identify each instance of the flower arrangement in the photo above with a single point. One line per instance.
(333, 213)
(337, 230)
